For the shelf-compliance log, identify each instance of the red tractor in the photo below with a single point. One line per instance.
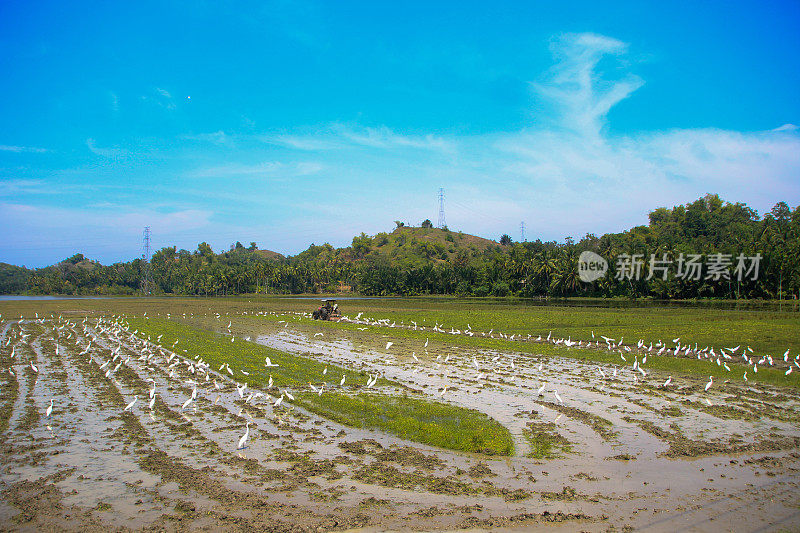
(329, 310)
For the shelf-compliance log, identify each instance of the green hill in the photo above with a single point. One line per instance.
(410, 246)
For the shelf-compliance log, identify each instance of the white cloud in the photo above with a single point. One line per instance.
(110, 153)
(219, 138)
(264, 169)
(22, 186)
(21, 149)
(574, 87)
(160, 97)
(338, 136)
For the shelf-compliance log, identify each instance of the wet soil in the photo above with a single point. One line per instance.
(631, 454)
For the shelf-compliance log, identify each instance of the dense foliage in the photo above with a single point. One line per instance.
(428, 260)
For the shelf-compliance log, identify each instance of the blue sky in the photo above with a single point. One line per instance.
(287, 123)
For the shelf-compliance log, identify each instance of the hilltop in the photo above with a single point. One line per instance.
(411, 246)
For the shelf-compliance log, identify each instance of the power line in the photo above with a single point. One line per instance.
(442, 223)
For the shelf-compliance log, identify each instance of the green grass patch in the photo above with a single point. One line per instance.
(415, 419)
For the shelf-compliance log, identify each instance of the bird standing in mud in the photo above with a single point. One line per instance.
(130, 405)
(49, 409)
(244, 437)
(558, 397)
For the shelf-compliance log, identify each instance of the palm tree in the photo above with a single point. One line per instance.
(544, 266)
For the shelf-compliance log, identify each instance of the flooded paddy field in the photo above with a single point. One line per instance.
(145, 428)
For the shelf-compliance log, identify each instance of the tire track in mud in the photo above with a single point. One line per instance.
(727, 507)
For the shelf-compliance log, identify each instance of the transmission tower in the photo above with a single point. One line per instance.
(442, 223)
(147, 280)
(522, 231)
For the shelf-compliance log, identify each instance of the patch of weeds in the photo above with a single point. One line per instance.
(545, 441)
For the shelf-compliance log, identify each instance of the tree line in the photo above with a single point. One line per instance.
(715, 242)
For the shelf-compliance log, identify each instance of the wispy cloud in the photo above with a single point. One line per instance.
(337, 136)
(219, 138)
(575, 88)
(16, 187)
(160, 97)
(264, 169)
(22, 149)
(110, 153)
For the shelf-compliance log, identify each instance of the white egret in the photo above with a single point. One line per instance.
(341, 383)
(669, 380)
(130, 405)
(50, 409)
(244, 437)
(557, 396)
(389, 344)
(710, 382)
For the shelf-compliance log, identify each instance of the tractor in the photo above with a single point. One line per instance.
(329, 310)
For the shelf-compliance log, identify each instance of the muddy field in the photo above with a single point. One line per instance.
(598, 447)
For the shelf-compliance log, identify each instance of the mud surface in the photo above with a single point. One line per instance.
(615, 450)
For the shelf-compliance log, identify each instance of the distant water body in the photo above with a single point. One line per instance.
(17, 297)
